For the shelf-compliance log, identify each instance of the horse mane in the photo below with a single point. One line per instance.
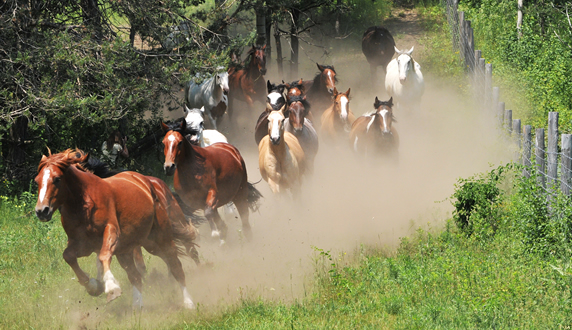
(317, 77)
(300, 99)
(64, 159)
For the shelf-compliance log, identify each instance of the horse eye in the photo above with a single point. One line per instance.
(202, 123)
(57, 180)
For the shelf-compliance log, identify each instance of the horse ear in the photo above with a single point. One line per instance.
(397, 50)
(390, 101)
(186, 109)
(335, 91)
(348, 92)
(268, 86)
(164, 127)
(203, 109)
(300, 81)
(410, 51)
(376, 102)
(321, 68)
(43, 158)
(183, 124)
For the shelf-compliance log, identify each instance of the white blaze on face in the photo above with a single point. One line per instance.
(403, 62)
(384, 114)
(274, 97)
(45, 180)
(344, 107)
(275, 120)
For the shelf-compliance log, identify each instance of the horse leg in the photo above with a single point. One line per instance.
(213, 121)
(109, 243)
(244, 212)
(212, 216)
(139, 262)
(92, 285)
(128, 263)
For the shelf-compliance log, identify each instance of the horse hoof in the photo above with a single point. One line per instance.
(222, 242)
(215, 233)
(94, 287)
(113, 294)
(189, 305)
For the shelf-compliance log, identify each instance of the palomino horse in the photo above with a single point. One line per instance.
(302, 128)
(208, 178)
(275, 101)
(373, 133)
(210, 95)
(319, 91)
(404, 80)
(248, 84)
(112, 216)
(377, 45)
(338, 117)
(280, 157)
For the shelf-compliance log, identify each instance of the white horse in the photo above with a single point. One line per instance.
(209, 94)
(198, 135)
(404, 80)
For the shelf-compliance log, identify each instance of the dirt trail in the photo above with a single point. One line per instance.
(346, 203)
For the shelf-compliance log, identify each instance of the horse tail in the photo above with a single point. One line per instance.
(195, 218)
(254, 196)
(184, 236)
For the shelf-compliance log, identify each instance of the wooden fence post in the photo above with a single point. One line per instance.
(566, 161)
(526, 151)
(471, 40)
(481, 83)
(552, 170)
(500, 113)
(488, 84)
(508, 121)
(539, 151)
(516, 131)
(462, 39)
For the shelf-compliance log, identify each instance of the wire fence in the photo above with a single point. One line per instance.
(550, 162)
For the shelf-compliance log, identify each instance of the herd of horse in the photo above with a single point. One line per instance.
(117, 213)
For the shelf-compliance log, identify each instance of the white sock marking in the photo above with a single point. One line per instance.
(355, 143)
(111, 283)
(45, 179)
(137, 298)
(187, 301)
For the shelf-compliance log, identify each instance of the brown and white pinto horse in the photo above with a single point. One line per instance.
(338, 117)
(280, 157)
(208, 178)
(248, 84)
(302, 128)
(112, 216)
(373, 133)
(319, 91)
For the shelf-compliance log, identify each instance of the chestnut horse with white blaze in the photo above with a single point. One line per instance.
(319, 91)
(281, 158)
(112, 216)
(373, 134)
(338, 118)
(208, 178)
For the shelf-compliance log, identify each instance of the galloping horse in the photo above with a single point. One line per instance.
(112, 216)
(210, 95)
(377, 45)
(404, 80)
(281, 158)
(373, 133)
(208, 178)
(338, 117)
(248, 84)
(302, 128)
(319, 91)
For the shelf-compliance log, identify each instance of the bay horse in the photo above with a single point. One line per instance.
(208, 178)
(338, 117)
(302, 128)
(319, 90)
(377, 45)
(373, 134)
(209, 94)
(275, 101)
(404, 80)
(112, 216)
(247, 84)
(280, 157)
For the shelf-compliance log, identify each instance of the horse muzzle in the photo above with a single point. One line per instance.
(331, 90)
(263, 71)
(169, 168)
(402, 80)
(194, 139)
(45, 213)
(275, 140)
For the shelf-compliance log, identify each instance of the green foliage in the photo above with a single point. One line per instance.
(477, 202)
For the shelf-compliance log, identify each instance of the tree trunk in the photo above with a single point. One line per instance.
(17, 154)
(268, 50)
(92, 17)
(260, 25)
(519, 18)
(278, 50)
(294, 44)
(338, 8)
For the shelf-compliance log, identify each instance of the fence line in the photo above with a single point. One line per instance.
(553, 168)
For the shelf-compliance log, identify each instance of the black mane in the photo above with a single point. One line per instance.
(300, 99)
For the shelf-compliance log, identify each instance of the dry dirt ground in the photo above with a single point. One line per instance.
(346, 202)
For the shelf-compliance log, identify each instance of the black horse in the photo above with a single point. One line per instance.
(378, 46)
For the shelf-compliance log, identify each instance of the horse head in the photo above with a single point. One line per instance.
(258, 58)
(276, 127)
(404, 63)
(53, 188)
(195, 124)
(173, 142)
(342, 104)
(276, 99)
(327, 77)
(221, 80)
(384, 110)
(298, 108)
(296, 88)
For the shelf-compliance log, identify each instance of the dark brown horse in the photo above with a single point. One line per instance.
(319, 91)
(373, 133)
(248, 84)
(208, 178)
(302, 128)
(112, 216)
(377, 45)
